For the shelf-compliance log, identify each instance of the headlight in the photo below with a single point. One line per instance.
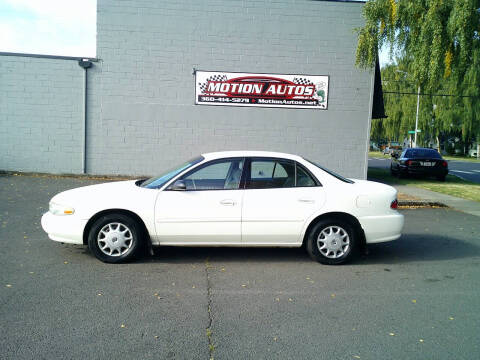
(57, 209)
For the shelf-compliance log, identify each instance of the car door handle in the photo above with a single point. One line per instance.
(227, 202)
(304, 200)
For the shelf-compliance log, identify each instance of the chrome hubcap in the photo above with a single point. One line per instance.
(115, 239)
(333, 242)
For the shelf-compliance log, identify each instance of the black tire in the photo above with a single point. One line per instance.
(325, 256)
(126, 242)
(393, 173)
(441, 178)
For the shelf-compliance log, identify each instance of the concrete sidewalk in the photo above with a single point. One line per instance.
(466, 206)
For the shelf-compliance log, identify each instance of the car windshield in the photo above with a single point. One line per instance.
(335, 175)
(159, 181)
(422, 153)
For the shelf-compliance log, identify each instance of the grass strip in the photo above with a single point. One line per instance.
(453, 185)
(379, 154)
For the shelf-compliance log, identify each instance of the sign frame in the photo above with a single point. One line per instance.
(300, 91)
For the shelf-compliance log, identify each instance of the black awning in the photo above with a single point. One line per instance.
(378, 109)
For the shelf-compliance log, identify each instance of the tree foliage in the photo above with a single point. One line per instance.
(437, 43)
(457, 114)
(436, 35)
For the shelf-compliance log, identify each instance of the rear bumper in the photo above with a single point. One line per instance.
(382, 228)
(427, 171)
(65, 229)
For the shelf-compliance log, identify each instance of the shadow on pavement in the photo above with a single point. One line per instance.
(172, 254)
(420, 247)
(410, 247)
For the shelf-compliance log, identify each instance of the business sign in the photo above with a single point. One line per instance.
(267, 90)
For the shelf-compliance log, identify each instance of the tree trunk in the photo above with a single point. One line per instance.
(478, 147)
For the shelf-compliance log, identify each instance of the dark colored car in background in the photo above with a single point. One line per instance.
(419, 161)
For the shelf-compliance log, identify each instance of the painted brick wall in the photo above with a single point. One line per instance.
(143, 117)
(40, 114)
(141, 113)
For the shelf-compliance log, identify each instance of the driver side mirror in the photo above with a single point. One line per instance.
(179, 185)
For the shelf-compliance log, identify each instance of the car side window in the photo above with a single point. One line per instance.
(220, 175)
(271, 173)
(304, 179)
(262, 169)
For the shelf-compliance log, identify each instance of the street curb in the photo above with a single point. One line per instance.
(74, 176)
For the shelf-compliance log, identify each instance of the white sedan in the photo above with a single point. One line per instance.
(235, 198)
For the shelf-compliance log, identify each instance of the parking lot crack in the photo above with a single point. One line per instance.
(211, 345)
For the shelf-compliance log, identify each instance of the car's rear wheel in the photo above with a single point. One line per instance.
(332, 242)
(115, 238)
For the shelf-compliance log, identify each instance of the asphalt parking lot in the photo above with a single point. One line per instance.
(415, 298)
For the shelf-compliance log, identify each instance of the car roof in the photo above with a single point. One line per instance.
(250, 153)
(420, 148)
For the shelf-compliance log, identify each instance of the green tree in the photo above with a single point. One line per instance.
(438, 44)
(435, 35)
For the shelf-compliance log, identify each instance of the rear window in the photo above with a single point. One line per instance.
(330, 172)
(422, 153)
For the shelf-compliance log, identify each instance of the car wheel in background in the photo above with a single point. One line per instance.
(115, 238)
(392, 172)
(332, 242)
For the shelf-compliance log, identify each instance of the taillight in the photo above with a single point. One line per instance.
(444, 163)
(409, 162)
(394, 204)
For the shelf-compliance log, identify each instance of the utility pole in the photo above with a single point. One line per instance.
(416, 117)
(418, 108)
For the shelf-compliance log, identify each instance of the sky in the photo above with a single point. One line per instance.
(49, 27)
(383, 55)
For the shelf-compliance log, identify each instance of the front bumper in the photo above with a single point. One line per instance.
(382, 228)
(65, 229)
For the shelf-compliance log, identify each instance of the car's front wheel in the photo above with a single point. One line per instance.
(115, 238)
(332, 242)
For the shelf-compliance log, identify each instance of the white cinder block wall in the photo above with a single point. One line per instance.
(141, 113)
(40, 114)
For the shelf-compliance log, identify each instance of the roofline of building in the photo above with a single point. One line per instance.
(348, 1)
(58, 57)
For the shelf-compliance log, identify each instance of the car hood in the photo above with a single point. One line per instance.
(94, 193)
